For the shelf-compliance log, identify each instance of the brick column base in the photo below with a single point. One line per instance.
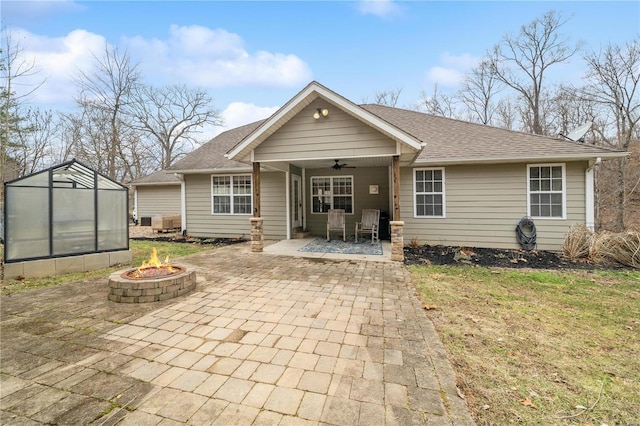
(257, 234)
(397, 240)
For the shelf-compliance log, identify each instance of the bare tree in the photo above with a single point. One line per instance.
(105, 94)
(478, 93)
(613, 83)
(521, 61)
(439, 104)
(506, 114)
(17, 73)
(386, 97)
(33, 150)
(171, 116)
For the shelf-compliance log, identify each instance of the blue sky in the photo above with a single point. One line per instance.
(254, 56)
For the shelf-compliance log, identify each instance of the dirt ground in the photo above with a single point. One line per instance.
(445, 255)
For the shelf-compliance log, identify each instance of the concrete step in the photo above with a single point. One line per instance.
(299, 234)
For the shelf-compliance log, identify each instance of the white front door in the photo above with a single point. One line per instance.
(296, 201)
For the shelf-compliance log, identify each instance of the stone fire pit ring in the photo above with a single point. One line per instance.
(123, 289)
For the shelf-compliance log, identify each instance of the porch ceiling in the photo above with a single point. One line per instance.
(351, 162)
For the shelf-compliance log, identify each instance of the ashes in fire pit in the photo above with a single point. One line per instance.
(151, 282)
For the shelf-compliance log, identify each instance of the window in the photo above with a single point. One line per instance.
(331, 193)
(231, 195)
(429, 192)
(546, 194)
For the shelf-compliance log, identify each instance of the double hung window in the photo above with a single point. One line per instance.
(546, 190)
(429, 192)
(331, 192)
(231, 194)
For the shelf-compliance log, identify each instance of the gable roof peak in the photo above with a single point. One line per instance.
(304, 98)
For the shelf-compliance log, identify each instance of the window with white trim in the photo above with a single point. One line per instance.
(231, 194)
(331, 192)
(429, 192)
(546, 190)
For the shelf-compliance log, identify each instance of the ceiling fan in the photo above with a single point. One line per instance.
(338, 166)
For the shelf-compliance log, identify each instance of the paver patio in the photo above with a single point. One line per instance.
(264, 340)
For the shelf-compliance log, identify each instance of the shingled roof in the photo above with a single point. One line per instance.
(455, 141)
(157, 178)
(448, 141)
(210, 156)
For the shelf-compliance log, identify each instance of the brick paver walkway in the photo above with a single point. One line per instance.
(264, 340)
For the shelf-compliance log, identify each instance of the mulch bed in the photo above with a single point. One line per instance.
(446, 255)
(215, 242)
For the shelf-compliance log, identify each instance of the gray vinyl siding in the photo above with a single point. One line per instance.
(158, 200)
(362, 178)
(484, 204)
(336, 136)
(274, 205)
(201, 223)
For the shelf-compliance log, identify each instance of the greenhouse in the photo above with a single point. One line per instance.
(66, 210)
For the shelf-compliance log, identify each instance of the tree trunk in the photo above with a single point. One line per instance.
(620, 195)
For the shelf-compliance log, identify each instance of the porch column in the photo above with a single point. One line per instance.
(257, 231)
(397, 226)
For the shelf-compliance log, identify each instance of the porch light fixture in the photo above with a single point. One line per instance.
(320, 112)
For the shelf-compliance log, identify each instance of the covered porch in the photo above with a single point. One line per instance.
(335, 155)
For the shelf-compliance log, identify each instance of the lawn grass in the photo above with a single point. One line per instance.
(540, 347)
(140, 251)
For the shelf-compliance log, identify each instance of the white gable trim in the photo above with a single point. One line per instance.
(303, 98)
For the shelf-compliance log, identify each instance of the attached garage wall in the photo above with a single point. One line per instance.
(158, 200)
(484, 203)
(201, 223)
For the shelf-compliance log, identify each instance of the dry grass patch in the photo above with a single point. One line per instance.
(540, 347)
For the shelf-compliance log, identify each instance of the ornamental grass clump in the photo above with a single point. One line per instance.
(578, 242)
(603, 247)
(621, 247)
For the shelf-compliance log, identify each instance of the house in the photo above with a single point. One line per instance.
(156, 194)
(442, 181)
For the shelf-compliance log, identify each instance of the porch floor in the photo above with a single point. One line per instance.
(291, 247)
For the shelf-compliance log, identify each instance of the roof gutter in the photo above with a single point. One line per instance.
(547, 158)
(205, 171)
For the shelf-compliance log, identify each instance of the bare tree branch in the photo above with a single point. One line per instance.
(521, 62)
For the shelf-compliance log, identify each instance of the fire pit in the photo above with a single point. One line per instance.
(151, 282)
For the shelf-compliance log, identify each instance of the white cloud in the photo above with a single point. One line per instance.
(448, 77)
(29, 9)
(238, 114)
(215, 58)
(452, 69)
(379, 8)
(58, 60)
(192, 55)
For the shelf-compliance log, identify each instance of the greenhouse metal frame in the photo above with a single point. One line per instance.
(65, 210)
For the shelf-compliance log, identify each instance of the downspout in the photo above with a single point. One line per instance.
(183, 203)
(589, 198)
(135, 205)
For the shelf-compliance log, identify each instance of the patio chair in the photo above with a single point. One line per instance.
(335, 223)
(369, 224)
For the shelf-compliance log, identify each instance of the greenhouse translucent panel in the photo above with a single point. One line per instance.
(104, 183)
(27, 227)
(112, 220)
(73, 221)
(39, 179)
